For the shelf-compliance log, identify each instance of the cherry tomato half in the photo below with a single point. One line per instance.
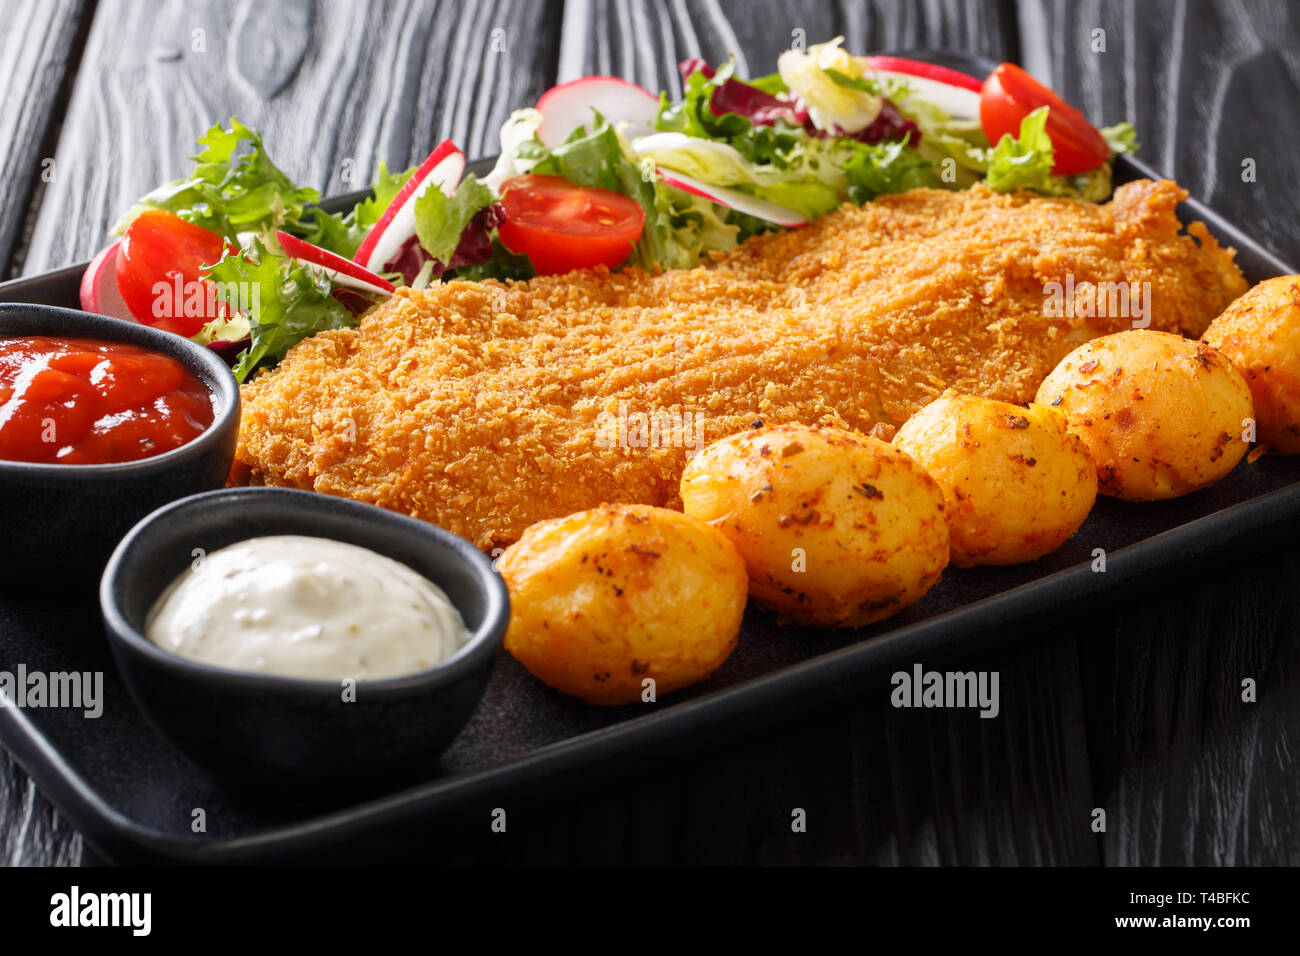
(160, 268)
(561, 227)
(1010, 94)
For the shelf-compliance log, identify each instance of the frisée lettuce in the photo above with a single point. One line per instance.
(234, 189)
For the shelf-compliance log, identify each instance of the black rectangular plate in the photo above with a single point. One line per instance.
(133, 797)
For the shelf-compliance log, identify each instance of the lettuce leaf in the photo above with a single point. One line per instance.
(343, 234)
(839, 93)
(501, 264)
(289, 302)
(957, 146)
(440, 220)
(883, 168)
(1026, 163)
(863, 84)
(1121, 138)
(774, 156)
(796, 187)
(705, 88)
(235, 188)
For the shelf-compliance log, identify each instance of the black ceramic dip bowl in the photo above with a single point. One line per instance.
(72, 516)
(290, 739)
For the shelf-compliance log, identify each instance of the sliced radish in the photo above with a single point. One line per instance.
(99, 291)
(344, 272)
(734, 199)
(923, 70)
(443, 168)
(566, 107)
(725, 156)
(958, 100)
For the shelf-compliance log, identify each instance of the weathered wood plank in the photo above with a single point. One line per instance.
(1212, 89)
(1188, 772)
(37, 47)
(31, 831)
(333, 86)
(643, 40)
(1136, 711)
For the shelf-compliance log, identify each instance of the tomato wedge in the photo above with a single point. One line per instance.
(1010, 94)
(561, 226)
(160, 272)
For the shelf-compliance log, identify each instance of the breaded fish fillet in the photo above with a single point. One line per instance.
(484, 407)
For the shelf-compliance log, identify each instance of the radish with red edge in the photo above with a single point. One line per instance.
(566, 107)
(923, 70)
(443, 168)
(344, 272)
(955, 93)
(99, 291)
(661, 143)
(734, 199)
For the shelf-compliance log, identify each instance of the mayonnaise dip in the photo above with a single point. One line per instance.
(306, 607)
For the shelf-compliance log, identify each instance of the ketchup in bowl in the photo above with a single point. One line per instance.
(75, 401)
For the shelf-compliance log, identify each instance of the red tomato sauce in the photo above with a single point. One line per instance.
(86, 402)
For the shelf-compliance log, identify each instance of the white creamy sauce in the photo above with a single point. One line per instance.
(306, 607)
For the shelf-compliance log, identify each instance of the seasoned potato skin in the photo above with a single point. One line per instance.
(1162, 415)
(869, 522)
(603, 599)
(1016, 483)
(1260, 333)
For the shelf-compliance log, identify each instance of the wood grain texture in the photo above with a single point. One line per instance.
(37, 49)
(31, 831)
(1209, 86)
(644, 40)
(335, 86)
(1188, 772)
(1136, 710)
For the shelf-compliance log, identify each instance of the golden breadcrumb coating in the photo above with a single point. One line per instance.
(485, 407)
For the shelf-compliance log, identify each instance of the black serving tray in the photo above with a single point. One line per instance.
(133, 797)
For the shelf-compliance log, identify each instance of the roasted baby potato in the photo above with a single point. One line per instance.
(1162, 415)
(604, 599)
(835, 528)
(1016, 483)
(1260, 333)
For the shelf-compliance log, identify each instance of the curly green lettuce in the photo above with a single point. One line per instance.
(285, 302)
(343, 233)
(234, 189)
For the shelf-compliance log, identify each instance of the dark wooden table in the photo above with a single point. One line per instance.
(1134, 709)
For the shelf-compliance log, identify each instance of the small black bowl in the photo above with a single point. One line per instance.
(288, 739)
(71, 516)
